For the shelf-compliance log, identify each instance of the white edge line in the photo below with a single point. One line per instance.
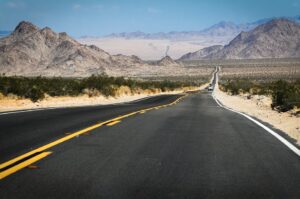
(280, 138)
(28, 110)
(113, 104)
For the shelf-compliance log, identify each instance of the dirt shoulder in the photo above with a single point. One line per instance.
(259, 107)
(13, 103)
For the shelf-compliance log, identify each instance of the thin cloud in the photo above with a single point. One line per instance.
(115, 8)
(13, 4)
(76, 6)
(87, 7)
(98, 7)
(153, 10)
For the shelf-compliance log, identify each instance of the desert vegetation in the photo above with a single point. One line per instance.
(277, 78)
(285, 94)
(261, 69)
(35, 88)
(198, 79)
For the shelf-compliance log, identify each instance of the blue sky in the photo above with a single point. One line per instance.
(101, 17)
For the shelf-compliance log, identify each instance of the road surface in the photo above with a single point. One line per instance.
(191, 149)
(23, 131)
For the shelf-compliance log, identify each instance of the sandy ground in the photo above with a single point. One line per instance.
(146, 49)
(12, 103)
(259, 107)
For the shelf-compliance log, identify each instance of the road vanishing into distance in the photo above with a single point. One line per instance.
(169, 146)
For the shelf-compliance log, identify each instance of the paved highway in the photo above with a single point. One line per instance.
(191, 149)
(20, 132)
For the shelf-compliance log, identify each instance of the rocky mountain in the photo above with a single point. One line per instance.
(201, 54)
(167, 61)
(278, 38)
(29, 50)
(174, 35)
(32, 51)
(152, 46)
(222, 29)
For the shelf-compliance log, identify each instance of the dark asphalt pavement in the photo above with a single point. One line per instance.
(194, 149)
(20, 132)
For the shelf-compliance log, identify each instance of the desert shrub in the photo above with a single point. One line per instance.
(232, 87)
(35, 93)
(109, 91)
(35, 88)
(285, 94)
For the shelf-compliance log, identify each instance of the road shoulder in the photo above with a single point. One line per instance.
(11, 104)
(286, 122)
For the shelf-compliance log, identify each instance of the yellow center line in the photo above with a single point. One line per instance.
(75, 134)
(23, 165)
(113, 123)
(47, 146)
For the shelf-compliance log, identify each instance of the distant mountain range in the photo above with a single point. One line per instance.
(222, 29)
(32, 51)
(278, 38)
(152, 46)
(4, 33)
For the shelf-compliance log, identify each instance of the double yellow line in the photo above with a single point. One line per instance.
(16, 164)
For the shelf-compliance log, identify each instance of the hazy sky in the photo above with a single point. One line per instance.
(101, 17)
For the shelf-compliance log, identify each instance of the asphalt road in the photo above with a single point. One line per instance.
(193, 149)
(20, 132)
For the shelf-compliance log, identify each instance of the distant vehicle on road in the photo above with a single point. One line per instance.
(210, 88)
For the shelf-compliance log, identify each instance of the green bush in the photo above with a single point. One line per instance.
(285, 95)
(35, 94)
(35, 88)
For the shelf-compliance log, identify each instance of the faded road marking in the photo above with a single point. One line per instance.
(113, 123)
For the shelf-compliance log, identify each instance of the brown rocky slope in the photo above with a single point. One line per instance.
(32, 51)
(278, 38)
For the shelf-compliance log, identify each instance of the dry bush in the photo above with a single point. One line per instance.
(35, 88)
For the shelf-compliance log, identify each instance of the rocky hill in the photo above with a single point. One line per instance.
(278, 38)
(32, 51)
(201, 54)
(167, 61)
(29, 50)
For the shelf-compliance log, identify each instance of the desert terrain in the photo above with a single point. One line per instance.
(255, 83)
(256, 69)
(150, 99)
(146, 49)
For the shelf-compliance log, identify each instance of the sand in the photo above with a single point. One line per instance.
(146, 49)
(260, 107)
